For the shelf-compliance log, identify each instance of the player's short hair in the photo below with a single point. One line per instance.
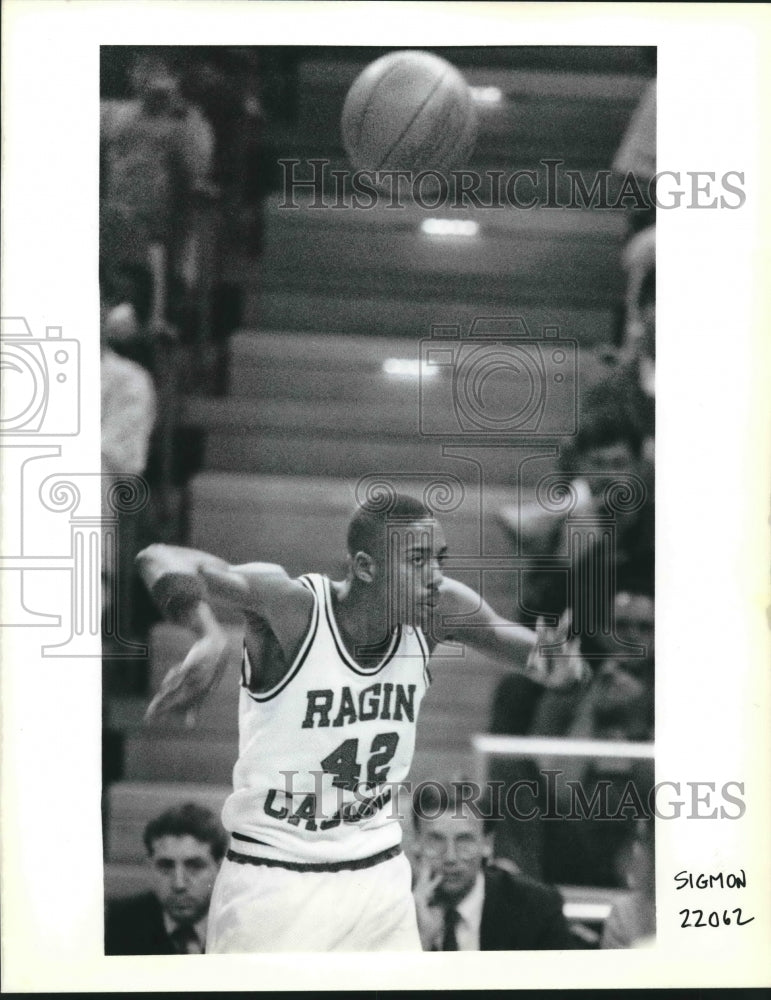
(367, 528)
(191, 820)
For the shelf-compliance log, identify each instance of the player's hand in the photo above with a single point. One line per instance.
(430, 917)
(563, 667)
(185, 686)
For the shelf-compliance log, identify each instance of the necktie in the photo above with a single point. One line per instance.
(185, 940)
(449, 940)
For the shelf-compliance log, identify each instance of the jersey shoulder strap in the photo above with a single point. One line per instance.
(425, 650)
(247, 673)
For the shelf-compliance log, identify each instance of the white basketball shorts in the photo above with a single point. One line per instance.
(258, 908)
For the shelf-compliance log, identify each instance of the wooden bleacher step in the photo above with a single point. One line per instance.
(561, 258)
(392, 314)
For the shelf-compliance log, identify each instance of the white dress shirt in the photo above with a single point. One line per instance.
(467, 929)
(199, 928)
(128, 414)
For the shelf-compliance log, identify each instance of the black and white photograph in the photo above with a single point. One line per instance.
(395, 310)
(356, 609)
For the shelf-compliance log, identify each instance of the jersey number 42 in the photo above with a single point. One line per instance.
(344, 765)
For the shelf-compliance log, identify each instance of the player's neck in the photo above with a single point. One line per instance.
(360, 620)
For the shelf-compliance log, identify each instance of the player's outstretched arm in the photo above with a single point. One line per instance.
(186, 685)
(522, 648)
(173, 573)
(182, 582)
(264, 591)
(170, 573)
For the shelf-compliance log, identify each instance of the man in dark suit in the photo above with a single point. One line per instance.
(184, 847)
(466, 903)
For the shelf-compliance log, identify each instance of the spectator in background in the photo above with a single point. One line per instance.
(225, 82)
(632, 921)
(618, 705)
(614, 427)
(128, 399)
(155, 347)
(464, 901)
(617, 432)
(619, 701)
(639, 348)
(609, 445)
(157, 160)
(638, 259)
(636, 156)
(184, 848)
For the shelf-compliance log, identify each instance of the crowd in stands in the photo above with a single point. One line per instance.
(466, 897)
(164, 155)
(178, 131)
(615, 581)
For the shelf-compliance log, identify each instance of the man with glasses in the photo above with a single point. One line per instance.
(464, 901)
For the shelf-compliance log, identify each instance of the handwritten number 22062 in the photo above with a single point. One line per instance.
(714, 919)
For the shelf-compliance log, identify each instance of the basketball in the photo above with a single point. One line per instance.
(409, 110)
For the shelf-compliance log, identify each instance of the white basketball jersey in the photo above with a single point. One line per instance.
(320, 752)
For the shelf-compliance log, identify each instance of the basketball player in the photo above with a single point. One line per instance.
(332, 677)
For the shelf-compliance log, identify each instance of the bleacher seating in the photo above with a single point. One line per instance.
(309, 410)
(376, 273)
(301, 309)
(325, 406)
(578, 116)
(372, 271)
